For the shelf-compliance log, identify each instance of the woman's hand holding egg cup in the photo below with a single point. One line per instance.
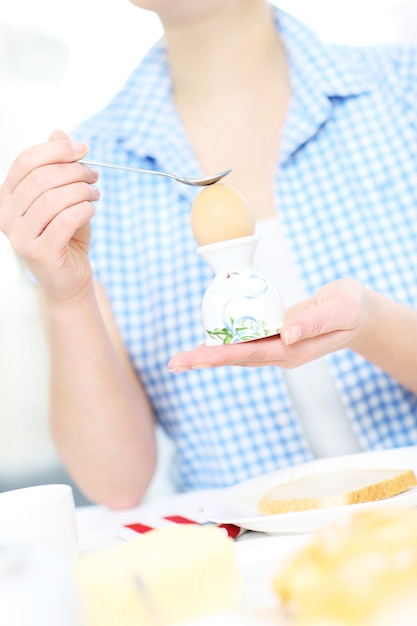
(334, 318)
(46, 202)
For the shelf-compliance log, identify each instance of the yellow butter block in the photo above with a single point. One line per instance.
(166, 576)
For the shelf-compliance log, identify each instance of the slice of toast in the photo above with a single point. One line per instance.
(335, 488)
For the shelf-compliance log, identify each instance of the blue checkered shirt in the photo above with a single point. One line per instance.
(347, 195)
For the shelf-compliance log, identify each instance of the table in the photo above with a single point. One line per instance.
(258, 555)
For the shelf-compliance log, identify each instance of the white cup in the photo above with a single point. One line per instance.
(40, 515)
(37, 588)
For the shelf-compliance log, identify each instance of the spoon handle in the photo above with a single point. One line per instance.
(125, 167)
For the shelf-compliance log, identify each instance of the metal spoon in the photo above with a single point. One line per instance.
(195, 182)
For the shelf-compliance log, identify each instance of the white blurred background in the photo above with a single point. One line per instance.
(59, 63)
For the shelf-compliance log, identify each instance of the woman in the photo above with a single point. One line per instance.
(319, 138)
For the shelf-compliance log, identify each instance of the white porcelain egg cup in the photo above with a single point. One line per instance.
(240, 304)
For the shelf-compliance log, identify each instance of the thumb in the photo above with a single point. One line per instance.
(339, 306)
(57, 134)
(310, 322)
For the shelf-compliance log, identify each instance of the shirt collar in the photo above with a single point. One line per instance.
(319, 72)
(334, 70)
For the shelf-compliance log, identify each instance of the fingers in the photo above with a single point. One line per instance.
(56, 151)
(46, 204)
(61, 229)
(57, 134)
(43, 183)
(311, 322)
(337, 307)
(47, 207)
(313, 328)
(41, 196)
(257, 353)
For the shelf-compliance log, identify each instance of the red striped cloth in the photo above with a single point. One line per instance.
(138, 527)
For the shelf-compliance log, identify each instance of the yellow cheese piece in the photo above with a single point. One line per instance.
(166, 576)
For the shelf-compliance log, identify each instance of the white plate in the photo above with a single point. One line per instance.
(238, 505)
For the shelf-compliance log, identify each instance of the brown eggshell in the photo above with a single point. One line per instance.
(220, 212)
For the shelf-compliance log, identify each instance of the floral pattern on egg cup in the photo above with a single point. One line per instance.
(240, 304)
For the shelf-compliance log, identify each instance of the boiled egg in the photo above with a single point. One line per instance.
(219, 213)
